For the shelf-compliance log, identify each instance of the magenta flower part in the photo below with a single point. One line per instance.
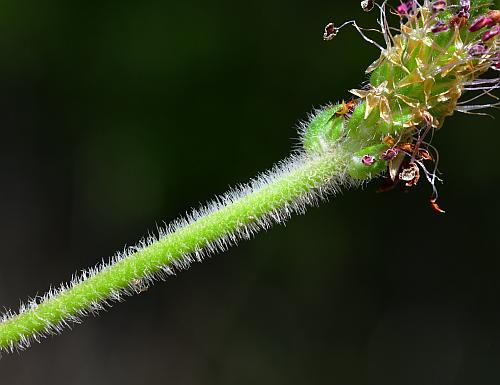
(405, 8)
(478, 49)
(465, 5)
(480, 23)
(402, 9)
(438, 6)
(491, 33)
(440, 26)
(368, 160)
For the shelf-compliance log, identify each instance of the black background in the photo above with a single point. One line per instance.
(116, 116)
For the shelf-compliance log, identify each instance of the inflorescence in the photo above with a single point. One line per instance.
(439, 51)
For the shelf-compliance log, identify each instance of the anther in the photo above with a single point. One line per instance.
(330, 32)
(439, 27)
(368, 160)
(389, 154)
(459, 20)
(405, 8)
(478, 49)
(495, 30)
(480, 23)
(438, 6)
(465, 5)
(494, 15)
(424, 154)
(410, 175)
(496, 61)
(367, 5)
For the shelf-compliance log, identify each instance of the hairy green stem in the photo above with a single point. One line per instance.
(310, 174)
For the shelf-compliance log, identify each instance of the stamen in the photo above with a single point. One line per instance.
(435, 206)
(410, 175)
(330, 32)
(494, 87)
(489, 85)
(482, 81)
(384, 25)
(478, 49)
(480, 23)
(465, 5)
(491, 33)
(405, 8)
(438, 6)
(432, 177)
(368, 160)
(367, 5)
(428, 119)
(485, 90)
(440, 26)
(389, 154)
(360, 30)
(460, 19)
(494, 15)
(476, 107)
(424, 154)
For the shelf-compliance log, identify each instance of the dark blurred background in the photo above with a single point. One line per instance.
(116, 116)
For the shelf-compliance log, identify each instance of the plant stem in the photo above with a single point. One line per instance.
(284, 190)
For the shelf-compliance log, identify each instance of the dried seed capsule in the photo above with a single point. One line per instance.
(330, 31)
(459, 20)
(389, 154)
(410, 175)
(367, 5)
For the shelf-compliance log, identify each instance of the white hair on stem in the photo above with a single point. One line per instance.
(244, 230)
